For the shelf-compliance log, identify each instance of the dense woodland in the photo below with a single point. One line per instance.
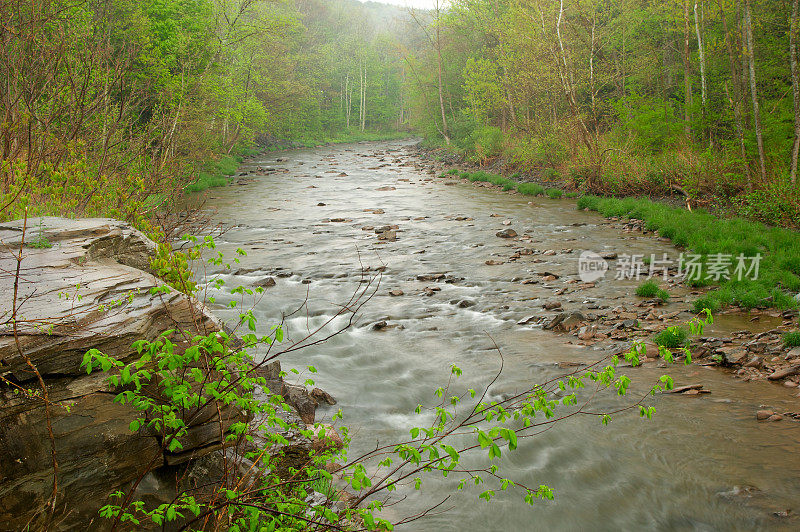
(112, 106)
(624, 96)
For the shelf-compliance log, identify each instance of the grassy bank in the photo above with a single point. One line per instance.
(707, 235)
(703, 234)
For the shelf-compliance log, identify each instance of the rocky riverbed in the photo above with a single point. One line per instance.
(463, 266)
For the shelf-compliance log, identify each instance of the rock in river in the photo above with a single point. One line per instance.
(506, 233)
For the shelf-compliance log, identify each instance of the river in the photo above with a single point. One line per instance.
(702, 463)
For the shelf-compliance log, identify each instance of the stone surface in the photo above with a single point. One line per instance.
(506, 233)
(91, 289)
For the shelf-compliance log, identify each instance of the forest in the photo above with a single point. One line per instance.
(624, 97)
(141, 99)
(371, 265)
(116, 107)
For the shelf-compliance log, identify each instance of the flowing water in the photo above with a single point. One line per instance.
(702, 463)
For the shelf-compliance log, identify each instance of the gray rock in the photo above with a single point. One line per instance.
(301, 400)
(102, 267)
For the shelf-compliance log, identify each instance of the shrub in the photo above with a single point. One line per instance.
(571, 195)
(453, 171)
(705, 303)
(554, 193)
(672, 337)
(551, 174)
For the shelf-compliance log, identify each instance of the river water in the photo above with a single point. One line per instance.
(702, 463)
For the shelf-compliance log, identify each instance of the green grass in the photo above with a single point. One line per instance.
(651, 289)
(554, 193)
(672, 337)
(486, 177)
(792, 339)
(453, 171)
(571, 195)
(706, 235)
(527, 189)
(530, 189)
(706, 303)
(215, 174)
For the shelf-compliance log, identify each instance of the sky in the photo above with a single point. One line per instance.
(427, 4)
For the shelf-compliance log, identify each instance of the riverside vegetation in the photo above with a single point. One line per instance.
(118, 108)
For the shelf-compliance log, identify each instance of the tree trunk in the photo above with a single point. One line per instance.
(348, 99)
(748, 27)
(687, 79)
(702, 53)
(736, 100)
(445, 134)
(364, 99)
(795, 88)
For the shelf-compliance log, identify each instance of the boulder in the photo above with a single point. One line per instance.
(91, 289)
(299, 398)
(321, 396)
(565, 321)
(326, 437)
(266, 282)
(506, 233)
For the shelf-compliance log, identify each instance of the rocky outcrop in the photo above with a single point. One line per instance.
(89, 289)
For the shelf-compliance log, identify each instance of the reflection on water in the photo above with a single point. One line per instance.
(703, 463)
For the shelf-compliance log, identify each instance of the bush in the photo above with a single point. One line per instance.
(571, 195)
(672, 337)
(551, 174)
(554, 193)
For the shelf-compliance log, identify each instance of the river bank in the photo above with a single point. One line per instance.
(69, 439)
(449, 286)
